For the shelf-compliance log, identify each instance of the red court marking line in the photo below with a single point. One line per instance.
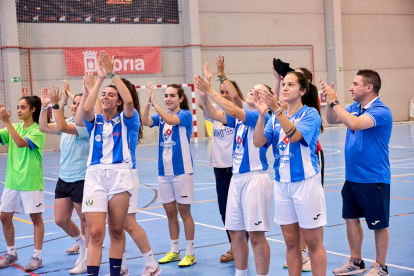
(335, 191)
(50, 207)
(395, 197)
(402, 215)
(22, 269)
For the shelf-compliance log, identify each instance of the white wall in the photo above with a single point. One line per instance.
(262, 23)
(379, 35)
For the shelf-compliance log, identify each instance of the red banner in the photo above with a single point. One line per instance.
(128, 60)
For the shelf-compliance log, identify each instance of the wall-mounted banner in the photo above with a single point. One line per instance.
(128, 60)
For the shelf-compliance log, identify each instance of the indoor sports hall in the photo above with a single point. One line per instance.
(43, 42)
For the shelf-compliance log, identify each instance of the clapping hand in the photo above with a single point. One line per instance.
(150, 92)
(4, 114)
(44, 97)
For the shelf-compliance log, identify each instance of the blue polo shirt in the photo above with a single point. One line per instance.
(367, 151)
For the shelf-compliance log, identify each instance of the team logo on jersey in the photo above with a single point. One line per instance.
(220, 125)
(239, 141)
(89, 201)
(98, 138)
(166, 135)
(283, 144)
(116, 120)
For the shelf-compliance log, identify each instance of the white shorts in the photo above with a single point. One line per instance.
(302, 202)
(22, 202)
(178, 188)
(101, 185)
(133, 200)
(248, 202)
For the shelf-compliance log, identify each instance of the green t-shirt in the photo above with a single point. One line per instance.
(24, 165)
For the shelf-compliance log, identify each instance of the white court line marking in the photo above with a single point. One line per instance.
(334, 168)
(142, 220)
(331, 153)
(402, 147)
(46, 234)
(48, 178)
(209, 188)
(196, 223)
(397, 165)
(399, 160)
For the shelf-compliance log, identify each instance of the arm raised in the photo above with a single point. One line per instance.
(227, 106)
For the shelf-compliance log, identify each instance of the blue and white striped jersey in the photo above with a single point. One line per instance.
(174, 156)
(246, 157)
(295, 161)
(113, 142)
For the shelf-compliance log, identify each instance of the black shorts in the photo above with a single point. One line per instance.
(74, 190)
(369, 200)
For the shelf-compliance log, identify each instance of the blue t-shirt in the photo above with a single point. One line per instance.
(73, 154)
(295, 161)
(174, 156)
(246, 157)
(113, 142)
(367, 151)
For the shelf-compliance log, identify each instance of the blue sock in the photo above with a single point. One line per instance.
(115, 266)
(92, 270)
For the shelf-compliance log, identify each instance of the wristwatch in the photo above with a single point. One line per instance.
(56, 106)
(334, 103)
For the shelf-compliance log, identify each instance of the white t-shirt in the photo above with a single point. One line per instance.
(221, 143)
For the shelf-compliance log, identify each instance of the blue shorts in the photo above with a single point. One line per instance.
(369, 200)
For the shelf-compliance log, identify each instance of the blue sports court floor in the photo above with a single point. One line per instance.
(210, 239)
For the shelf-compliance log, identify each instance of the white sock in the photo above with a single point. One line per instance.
(123, 265)
(261, 274)
(241, 272)
(37, 253)
(175, 246)
(149, 259)
(11, 250)
(85, 258)
(190, 248)
(81, 241)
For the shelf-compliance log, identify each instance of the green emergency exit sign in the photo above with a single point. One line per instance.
(15, 79)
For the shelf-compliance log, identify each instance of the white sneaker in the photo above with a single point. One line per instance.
(306, 262)
(80, 268)
(123, 273)
(350, 268)
(80, 259)
(377, 270)
(73, 250)
(34, 264)
(150, 271)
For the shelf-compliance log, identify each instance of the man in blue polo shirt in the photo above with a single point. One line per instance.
(366, 192)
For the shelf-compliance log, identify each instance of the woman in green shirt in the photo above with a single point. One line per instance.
(23, 192)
